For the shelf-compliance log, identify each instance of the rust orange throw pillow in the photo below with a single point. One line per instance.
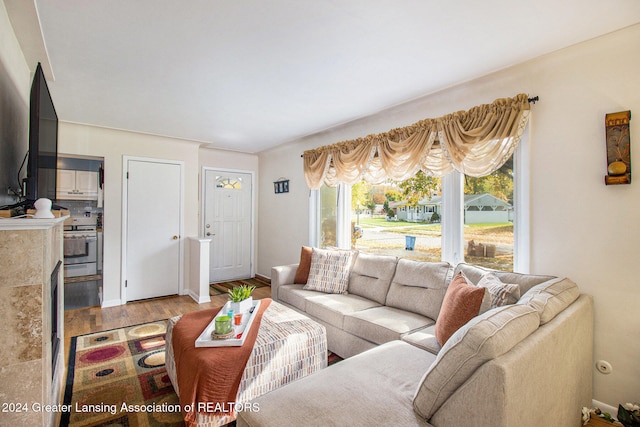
(302, 274)
(461, 304)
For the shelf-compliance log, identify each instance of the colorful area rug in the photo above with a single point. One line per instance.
(223, 288)
(118, 378)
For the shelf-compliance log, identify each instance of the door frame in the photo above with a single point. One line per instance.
(124, 236)
(203, 185)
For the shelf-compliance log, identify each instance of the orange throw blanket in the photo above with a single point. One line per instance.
(209, 377)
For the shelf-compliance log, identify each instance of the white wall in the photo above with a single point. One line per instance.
(12, 57)
(15, 81)
(283, 219)
(112, 145)
(580, 228)
(226, 159)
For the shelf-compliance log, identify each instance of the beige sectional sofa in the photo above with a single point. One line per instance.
(522, 364)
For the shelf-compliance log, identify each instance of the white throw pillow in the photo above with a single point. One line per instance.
(329, 271)
(486, 299)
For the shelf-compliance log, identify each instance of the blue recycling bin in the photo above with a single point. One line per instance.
(410, 242)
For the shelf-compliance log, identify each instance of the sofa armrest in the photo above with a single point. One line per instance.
(505, 391)
(282, 275)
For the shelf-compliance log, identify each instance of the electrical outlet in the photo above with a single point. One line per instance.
(604, 367)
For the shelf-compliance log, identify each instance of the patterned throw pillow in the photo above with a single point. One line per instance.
(329, 271)
(501, 293)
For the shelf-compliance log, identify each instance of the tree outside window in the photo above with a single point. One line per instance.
(384, 215)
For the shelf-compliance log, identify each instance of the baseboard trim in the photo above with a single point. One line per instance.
(111, 303)
(200, 299)
(263, 278)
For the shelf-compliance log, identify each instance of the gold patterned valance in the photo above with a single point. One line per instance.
(475, 142)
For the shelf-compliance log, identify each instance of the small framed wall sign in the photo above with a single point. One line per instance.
(281, 186)
(618, 148)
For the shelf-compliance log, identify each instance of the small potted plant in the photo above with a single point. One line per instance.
(241, 299)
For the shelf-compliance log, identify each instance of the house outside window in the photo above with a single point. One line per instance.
(482, 221)
(488, 219)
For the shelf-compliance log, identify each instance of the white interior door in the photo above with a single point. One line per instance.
(228, 223)
(153, 223)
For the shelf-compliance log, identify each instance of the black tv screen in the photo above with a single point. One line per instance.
(43, 142)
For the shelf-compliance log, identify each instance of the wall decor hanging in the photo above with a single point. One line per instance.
(618, 148)
(281, 186)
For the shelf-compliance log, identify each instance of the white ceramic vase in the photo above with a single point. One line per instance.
(242, 306)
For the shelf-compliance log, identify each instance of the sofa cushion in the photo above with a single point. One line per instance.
(500, 293)
(329, 271)
(302, 273)
(383, 324)
(371, 276)
(525, 281)
(419, 286)
(551, 297)
(358, 391)
(332, 308)
(425, 339)
(485, 337)
(296, 296)
(461, 303)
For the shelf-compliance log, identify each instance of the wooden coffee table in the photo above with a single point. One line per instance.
(289, 346)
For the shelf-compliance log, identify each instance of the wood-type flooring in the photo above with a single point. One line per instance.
(95, 319)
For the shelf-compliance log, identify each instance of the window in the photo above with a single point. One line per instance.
(488, 219)
(328, 216)
(229, 183)
(482, 221)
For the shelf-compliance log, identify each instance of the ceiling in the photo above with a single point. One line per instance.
(247, 75)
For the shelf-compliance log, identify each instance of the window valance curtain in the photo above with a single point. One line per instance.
(476, 142)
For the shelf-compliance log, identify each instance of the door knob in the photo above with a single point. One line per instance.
(210, 234)
(175, 237)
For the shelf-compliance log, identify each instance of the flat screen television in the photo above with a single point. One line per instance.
(42, 167)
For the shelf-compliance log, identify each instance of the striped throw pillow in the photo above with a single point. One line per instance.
(501, 293)
(329, 271)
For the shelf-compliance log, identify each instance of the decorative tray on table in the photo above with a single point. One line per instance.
(239, 331)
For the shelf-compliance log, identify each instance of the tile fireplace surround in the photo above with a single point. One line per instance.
(30, 250)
